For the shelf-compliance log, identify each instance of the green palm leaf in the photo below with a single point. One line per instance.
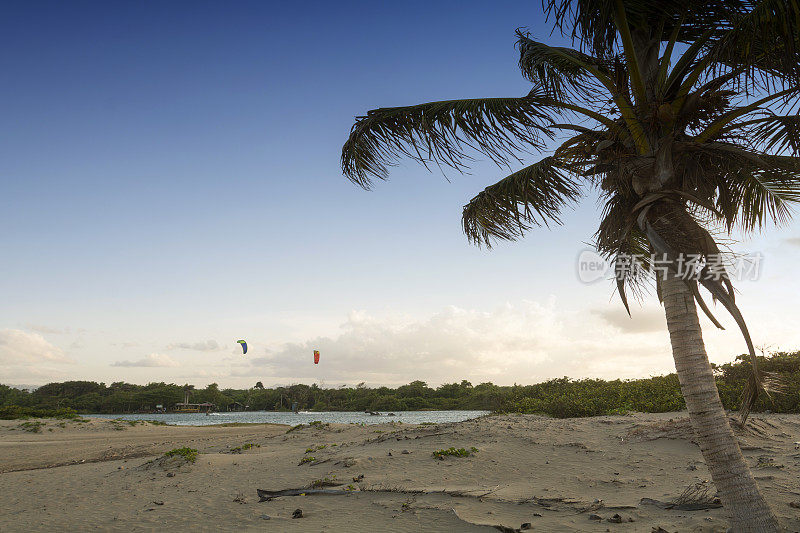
(749, 188)
(533, 196)
(764, 38)
(442, 131)
(777, 134)
(561, 72)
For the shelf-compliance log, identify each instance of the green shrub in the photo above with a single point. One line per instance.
(565, 398)
(32, 427)
(15, 412)
(244, 447)
(454, 452)
(188, 454)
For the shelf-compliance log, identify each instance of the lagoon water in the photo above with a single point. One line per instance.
(303, 417)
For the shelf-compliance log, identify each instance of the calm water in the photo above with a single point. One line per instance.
(292, 419)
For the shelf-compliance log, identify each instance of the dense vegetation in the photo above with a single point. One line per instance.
(557, 397)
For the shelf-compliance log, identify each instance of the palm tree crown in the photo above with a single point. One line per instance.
(681, 113)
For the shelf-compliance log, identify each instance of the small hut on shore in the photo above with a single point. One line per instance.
(185, 407)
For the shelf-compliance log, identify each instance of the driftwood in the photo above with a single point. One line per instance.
(266, 495)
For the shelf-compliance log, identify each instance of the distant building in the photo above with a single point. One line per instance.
(185, 407)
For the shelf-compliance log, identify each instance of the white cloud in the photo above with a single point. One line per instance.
(46, 329)
(18, 347)
(22, 376)
(152, 360)
(205, 346)
(77, 344)
(640, 320)
(130, 344)
(523, 344)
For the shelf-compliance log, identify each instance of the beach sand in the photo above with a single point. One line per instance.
(557, 475)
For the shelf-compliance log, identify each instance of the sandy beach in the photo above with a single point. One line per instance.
(615, 473)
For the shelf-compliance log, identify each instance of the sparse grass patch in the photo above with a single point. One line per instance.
(307, 459)
(32, 427)
(454, 452)
(188, 454)
(245, 447)
(324, 482)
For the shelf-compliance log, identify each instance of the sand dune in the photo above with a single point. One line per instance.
(615, 473)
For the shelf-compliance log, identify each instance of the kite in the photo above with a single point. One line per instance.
(244, 346)
(316, 357)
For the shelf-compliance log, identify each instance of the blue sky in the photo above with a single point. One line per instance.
(169, 183)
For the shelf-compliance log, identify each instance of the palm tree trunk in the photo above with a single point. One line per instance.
(746, 507)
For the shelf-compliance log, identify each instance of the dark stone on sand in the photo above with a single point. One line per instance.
(266, 517)
(595, 517)
(298, 513)
(406, 452)
(170, 474)
(526, 525)
(616, 519)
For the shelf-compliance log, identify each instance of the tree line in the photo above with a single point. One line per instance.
(562, 397)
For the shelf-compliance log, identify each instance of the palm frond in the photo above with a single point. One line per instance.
(592, 21)
(749, 189)
(577, 150)
(777, 133)
(533, 196)
(440, 132)
(561, 72)
(721, 123)
(764, 38)
(763, 196)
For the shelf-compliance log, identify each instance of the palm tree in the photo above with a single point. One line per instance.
(681, 114)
